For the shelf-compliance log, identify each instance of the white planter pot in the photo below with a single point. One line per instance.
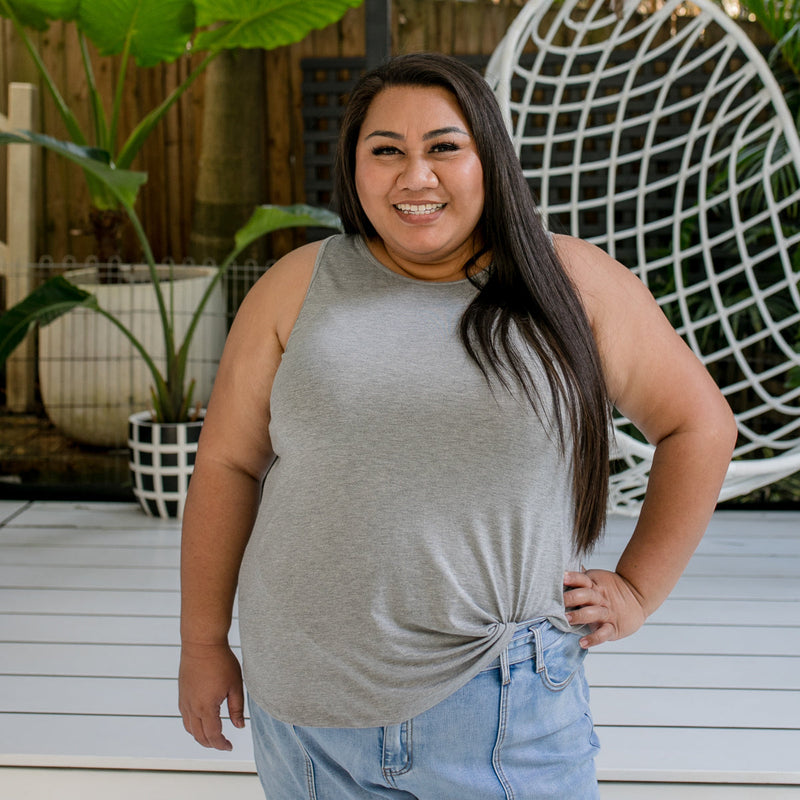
(161, 462)
(91, 377)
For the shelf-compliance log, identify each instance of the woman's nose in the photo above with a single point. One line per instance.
(418, 174)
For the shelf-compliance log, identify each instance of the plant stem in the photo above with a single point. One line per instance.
(183, 354)
(142, 130)
(98, 113)
(160, 388)
(166, 324)
(117, 104)
(140, 133)
(63, 109)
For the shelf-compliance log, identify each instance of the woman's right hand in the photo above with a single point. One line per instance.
(209, 676)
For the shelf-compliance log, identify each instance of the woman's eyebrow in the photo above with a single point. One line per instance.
(386, 134)
(429, 135)
(443, 132)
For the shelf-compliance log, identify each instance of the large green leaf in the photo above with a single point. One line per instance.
(26, 13)
(266, 219)
(264, 23)
(158, 30)
(52, 9)
(52, 299)
(124, 184)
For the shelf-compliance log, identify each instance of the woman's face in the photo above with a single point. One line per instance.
(420, 181)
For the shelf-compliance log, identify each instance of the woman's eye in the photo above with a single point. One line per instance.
(445, 147)
(385, 150)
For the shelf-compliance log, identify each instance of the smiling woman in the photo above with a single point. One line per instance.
(404, 460)
(420, 182)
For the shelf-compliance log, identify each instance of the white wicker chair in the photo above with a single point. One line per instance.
(599, 105)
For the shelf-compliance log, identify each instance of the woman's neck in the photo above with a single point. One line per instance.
(449, 270)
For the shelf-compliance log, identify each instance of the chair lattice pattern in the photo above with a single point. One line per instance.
(600, 107)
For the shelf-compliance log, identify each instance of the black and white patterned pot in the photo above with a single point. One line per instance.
(161, 461)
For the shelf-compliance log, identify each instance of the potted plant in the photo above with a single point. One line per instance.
(139, 33)
(162, 477)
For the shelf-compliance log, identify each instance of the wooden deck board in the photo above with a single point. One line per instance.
(682, 754)
(707, 693)
(688, 671)
(87, 602)
(118, 742)
(66, 660)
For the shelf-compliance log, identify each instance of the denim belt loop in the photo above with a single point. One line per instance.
(505, 670)
(537, 648)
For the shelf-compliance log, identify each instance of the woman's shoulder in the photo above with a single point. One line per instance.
(293, 269)
(273, 303)
(601, 280)
(578, 255)
(292, 273)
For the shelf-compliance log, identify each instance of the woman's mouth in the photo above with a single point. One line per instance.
(419, 209)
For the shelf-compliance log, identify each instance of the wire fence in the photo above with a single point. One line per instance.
(71, 442)
(70, 436)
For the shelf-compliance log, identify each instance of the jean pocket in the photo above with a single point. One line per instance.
(558, 657)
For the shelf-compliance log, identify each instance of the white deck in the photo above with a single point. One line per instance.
(703, 702)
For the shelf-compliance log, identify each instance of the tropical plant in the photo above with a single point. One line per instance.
(781, 20)
(172, 389)
(151, 32)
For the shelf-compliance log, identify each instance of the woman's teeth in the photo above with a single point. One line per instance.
(425, 208)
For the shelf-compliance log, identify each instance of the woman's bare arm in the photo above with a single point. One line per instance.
(655, 380)
(233, 456)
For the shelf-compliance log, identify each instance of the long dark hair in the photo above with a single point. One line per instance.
(527, 294)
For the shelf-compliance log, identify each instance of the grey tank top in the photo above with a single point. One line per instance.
(412, 516)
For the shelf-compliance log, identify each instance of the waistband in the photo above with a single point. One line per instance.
(530, 640)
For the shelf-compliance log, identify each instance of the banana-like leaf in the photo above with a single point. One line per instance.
(264, 23)
(52, 9)
(124, 184)
(266, 219)
(158, 30)
(27, 13)
(52, 299)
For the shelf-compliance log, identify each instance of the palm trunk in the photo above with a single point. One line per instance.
(231, 174)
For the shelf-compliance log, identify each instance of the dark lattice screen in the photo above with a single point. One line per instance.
(326, 86)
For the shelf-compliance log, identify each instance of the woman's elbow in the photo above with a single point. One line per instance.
(721, 428)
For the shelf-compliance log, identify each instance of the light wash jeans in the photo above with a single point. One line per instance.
(519, 730)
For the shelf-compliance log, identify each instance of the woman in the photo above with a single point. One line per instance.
(428, 397)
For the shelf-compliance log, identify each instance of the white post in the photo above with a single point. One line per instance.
(21, 233)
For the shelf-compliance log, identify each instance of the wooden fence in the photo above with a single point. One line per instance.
(171, 155)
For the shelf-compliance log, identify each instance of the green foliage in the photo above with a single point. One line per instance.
(262, 23)
(124, 185)
(272, 218)
(43, 305)
(171, 391)
(781, 20)
(150, 32)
